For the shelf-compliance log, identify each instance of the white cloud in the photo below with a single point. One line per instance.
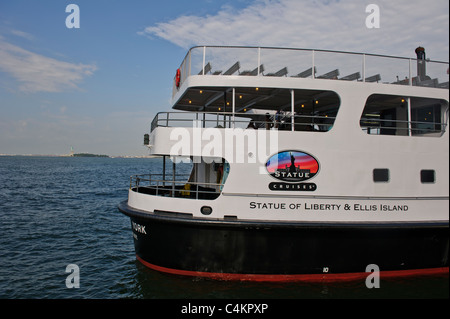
(36, 72)
(332, 24)
(22, 34)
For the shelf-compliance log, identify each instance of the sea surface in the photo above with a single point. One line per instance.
(62, 211)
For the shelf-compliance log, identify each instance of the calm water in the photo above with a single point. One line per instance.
(58, 211)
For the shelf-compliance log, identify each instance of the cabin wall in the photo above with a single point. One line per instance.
(347, 155)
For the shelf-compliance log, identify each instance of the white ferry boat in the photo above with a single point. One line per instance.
(306, 165)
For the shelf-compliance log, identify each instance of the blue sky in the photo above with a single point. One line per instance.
(98, 87)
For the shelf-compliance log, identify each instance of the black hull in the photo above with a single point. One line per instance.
(231, 249)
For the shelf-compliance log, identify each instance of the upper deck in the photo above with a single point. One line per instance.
(308, 88)
(310, 64)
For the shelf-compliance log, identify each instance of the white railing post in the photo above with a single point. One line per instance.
(259, 58)
(409, 115)
(204, 60)
(189, 64)
(313, 66)
(292, 109)
(410, 73)
(364, 67)
(173, 177)
(233, 106)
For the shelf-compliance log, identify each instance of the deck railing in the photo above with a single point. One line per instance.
(241, 120)
(178, 186)
(315, 64)
(376, 126)
(301, 123)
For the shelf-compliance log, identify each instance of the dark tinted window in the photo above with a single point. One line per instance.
(427, 176)
(381, 175)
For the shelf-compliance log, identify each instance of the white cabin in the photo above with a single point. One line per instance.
(373, 127)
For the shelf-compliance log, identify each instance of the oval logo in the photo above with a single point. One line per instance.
(292, 166)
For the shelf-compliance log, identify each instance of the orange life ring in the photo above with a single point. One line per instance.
(177, 78)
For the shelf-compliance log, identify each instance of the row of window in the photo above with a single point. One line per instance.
(310, 110)
(400, 115)
(381, 175)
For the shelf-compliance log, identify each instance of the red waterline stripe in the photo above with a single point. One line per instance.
(291, 278)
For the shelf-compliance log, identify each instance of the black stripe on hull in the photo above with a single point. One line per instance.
(244, 247)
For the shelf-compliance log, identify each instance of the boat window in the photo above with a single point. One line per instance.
(381, 175)
(427, 176)
(312, 110)
(405, 116)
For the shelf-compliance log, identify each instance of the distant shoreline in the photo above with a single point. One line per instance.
(88, 155)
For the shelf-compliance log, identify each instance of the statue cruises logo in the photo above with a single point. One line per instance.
(292, 167)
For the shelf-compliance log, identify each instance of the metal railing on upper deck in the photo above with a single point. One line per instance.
(315, 64)
(282, 121)
(376, 126)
